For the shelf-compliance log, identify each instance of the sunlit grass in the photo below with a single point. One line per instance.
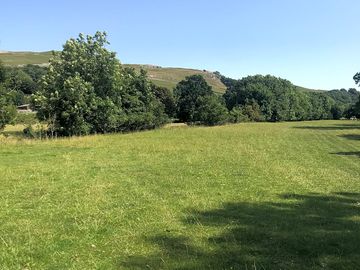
(246, 196)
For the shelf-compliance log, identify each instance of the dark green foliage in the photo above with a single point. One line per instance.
(343, 97)
(188, 94)
(19, 81)
(246, 113)
(196, 103)
(356, 108)
(279, 100)
(35, 72)
(228, 82)
(211, 111)
(337, 111)
(2, 72)
(357, 78)
(86, 90)
(7, 109)
(165, 96)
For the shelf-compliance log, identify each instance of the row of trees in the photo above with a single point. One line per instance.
(260, 98)
(86, 90)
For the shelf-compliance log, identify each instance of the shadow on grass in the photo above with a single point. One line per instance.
(13, 133)
(331, 127)
(355, 153)
(312, 231)
(351, 136)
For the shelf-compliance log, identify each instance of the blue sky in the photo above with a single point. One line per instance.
(313, 43)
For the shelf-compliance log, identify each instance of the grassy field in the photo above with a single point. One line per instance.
(24, 58)
(246, 196)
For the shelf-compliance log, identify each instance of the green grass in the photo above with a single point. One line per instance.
(246, 196)
(24, 58)
(169, 77)
(304, 89)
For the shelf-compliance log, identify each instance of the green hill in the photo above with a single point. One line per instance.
(161, 76)
(169, 77)
(24, 58)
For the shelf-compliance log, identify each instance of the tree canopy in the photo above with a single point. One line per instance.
(196, 102)
(86, 90)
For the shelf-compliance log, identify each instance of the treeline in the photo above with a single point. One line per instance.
(276, 99)
(86, 90)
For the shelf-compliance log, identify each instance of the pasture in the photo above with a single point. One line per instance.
(245, 196)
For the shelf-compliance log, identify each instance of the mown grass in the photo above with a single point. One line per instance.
(246, 196)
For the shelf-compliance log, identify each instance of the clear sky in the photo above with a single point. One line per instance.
(313, 43)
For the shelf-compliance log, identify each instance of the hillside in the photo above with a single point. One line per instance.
(24, 58)
(169, 77)
(161, 76)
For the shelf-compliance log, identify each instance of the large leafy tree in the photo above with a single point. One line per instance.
(196, 102)
(86, 90)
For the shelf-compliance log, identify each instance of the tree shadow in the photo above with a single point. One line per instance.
(331, 127)
(355, 153)
(312, 231)
(350, 136)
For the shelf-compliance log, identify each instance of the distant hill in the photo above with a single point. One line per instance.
(161, 76)
(24, 58)
(169, 77)
(300, 88)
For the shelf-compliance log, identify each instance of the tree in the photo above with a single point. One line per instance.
(35, 72)
(165, 96)
(273, 95)
(86, 90)
(7, 110)
(188, 94)
(211, 111)
(357, 78)
(357, 105)
(17, 80)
